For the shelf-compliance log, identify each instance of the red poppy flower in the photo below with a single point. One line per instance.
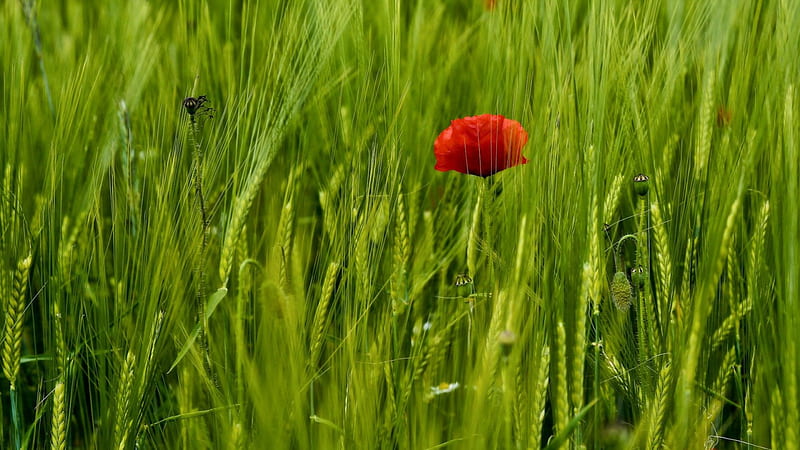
(480, 145)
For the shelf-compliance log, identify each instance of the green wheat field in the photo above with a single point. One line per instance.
(275, 263)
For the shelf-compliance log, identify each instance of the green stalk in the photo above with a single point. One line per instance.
(200, 271)
(650, 277)
(16, 420)
(596, 381)
(30, 17)
(489, 210)
(641, 297)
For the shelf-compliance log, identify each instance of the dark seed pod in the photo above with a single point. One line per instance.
(641, 184)
(193, 104)
(462, 279)
(621, 291)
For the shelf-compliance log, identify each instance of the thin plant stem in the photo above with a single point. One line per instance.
(16, 419)
(30, 17)
(200, 270)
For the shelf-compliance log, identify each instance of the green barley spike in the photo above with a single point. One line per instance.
(15, 309)
(58, 429)
(561, 410)
(402, 255)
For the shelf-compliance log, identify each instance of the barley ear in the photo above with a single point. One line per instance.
(658, 410)
(612, 197)
(663, 260)
(589, 293)
(390, 412)
(702, 305)
(67, 252)
(402, 253)
(15, 310)
(725, 372)
(237, 439)
(776, 418)
(703, 149)
(491, 350)
(123, 423)
(521, 406)
(285, 230)
(579, 345)
(755, 260)
(328, 200)
(321, 314)
(561, 411)
(58, 430)
(538, 399)
(241, 206)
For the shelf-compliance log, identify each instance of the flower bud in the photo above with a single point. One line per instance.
(462, 279)
(193, 104)
(621, 291)
(641, 184)
(507, 339)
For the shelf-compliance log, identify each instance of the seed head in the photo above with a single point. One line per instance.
(193, 104)
(641, 184)
(198, 106)
(462, 279)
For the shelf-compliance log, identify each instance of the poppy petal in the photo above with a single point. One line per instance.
(480, 145)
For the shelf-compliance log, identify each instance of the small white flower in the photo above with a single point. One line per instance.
(444, 388)
(427, 325)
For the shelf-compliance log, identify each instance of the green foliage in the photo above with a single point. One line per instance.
(281, 267)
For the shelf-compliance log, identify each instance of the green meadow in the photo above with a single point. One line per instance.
(275, 263)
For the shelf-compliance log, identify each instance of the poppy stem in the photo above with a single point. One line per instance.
(489, 210)
(200, 271)
(474, 236)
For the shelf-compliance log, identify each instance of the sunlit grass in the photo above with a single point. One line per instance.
(288, 270)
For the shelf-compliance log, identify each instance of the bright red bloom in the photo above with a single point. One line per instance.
(480, 145)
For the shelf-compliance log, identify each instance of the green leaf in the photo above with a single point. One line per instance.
(211, 306)
(562, 437)
(214, 300)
